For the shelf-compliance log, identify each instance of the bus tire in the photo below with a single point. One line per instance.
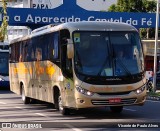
(63, 110)
(116, 109)
(56, 95)
(26, 100)
(58, 104)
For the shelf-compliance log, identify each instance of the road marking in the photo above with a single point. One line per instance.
(40, 114)
(153, 101)
(129, 109)
(72, 127)
(20, 108)
(3, 103)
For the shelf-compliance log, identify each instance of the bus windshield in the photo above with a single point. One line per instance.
(4, 56)
(108, 53)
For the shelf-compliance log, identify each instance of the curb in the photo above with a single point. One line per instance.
(155, 98)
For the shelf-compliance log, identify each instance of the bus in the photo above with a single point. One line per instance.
(4, 65)
(75, 65)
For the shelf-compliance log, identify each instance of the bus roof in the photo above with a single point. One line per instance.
(83, 26)
(98, 26)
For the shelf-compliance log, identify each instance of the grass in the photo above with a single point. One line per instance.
(151, 93)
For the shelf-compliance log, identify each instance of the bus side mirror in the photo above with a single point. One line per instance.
(70, 49)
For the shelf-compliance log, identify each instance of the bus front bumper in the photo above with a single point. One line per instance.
(97, 100)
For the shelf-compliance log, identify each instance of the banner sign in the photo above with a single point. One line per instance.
(67, 13)
(45, 4)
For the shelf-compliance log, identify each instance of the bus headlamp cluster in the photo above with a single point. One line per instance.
(84, 91)
(140, 90)
(1, 79)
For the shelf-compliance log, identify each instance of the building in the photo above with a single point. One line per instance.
(90, 5)
(149, 47)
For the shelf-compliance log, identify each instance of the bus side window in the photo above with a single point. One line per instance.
(53, 46)
(20, 58)
(55, 54)
(38, 54)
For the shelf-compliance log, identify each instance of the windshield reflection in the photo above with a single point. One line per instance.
(108, 53)
(4, 63)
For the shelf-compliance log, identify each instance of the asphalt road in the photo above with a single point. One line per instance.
(42, 116)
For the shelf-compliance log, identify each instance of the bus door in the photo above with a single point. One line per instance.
(68, 87)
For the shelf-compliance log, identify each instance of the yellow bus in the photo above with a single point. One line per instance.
(77, 65)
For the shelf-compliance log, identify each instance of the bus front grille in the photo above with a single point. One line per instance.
(117, 93)
(106, 102)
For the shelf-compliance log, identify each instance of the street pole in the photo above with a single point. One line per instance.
(155, 48)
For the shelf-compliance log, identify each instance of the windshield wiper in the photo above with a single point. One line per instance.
(123, 66)
(102, 67)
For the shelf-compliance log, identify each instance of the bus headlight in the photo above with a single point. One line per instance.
(140, 90)
(84, 91)
(1, 79)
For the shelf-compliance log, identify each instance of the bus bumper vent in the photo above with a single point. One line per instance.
(106, 102)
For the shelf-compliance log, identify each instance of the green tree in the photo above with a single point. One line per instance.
(3, 27)
(145, 6)
(133, 6)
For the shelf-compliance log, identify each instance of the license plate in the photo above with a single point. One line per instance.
(115, 100)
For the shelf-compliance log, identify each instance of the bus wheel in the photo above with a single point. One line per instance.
(116, 109)
(62, 109)
(26, 100)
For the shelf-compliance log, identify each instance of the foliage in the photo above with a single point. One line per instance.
(133, 6)
(3, 27)
(152, 93)
(143, 33)
(136, 6)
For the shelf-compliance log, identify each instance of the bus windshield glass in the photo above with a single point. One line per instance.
(108, 53)
(4, 56)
